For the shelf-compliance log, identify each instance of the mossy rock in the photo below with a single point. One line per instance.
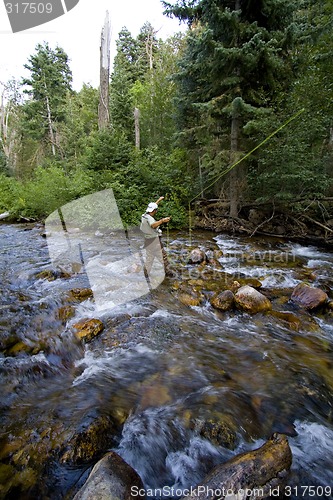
(217, 432)
(223, 301)
(80, 294)
(48, 275)
(64, 313)
(87, 329)
(94, 439)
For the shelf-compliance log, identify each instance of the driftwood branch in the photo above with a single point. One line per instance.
(263, 223)
(317, 223)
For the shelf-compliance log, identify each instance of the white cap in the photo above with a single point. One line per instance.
(151, 207)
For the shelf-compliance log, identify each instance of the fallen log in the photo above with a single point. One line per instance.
(254, 474)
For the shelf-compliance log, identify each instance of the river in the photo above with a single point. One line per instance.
(161, 369)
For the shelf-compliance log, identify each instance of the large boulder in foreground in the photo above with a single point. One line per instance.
(309, 297)
(263, 470)
(111, 479)
(248, 299)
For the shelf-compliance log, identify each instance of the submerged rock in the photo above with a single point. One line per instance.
(262, 470)
(218, 432)
(190, 295)
(90, 442)
(248, 299)
(111, 479)
(65, 312)
(309, 297)
(80, 294)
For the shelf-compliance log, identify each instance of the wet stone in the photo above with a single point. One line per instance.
(80, 294)
(87, 329)
(309, 297)
(251, 301)
(224, 301)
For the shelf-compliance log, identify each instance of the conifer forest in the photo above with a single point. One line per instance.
(237, 110)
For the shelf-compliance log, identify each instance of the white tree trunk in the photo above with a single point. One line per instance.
(103, 107)
(49, 121)
(137, 127)
(235, 172)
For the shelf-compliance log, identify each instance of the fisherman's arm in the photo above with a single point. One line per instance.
(156, 224)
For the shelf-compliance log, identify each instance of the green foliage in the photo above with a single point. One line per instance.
(149, 174)
(248, 70)
(235, 63)
(49, 189)
(154, 96)
(9, 192)
(108, 150)
(48, 85)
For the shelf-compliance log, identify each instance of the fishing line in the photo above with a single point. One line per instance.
(228, 169)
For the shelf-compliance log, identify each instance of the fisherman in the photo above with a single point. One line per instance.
(152, 238)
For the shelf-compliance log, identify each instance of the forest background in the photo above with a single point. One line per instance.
(181, 115)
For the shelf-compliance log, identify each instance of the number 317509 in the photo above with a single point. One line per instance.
(29, 8)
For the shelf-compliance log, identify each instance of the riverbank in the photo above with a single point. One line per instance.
(306, 223)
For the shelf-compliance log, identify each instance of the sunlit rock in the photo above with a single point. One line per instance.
(251, 301)
(87, 329)
(80, 294)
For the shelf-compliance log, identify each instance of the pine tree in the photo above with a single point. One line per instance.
(234, 66)
(124, 75)
(50, 80)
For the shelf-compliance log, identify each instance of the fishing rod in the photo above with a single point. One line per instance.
(228, 169)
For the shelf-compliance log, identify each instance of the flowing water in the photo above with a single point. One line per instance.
(163, 371)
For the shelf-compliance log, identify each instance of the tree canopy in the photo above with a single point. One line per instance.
(203, 101)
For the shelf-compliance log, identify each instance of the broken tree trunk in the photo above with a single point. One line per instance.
(137, 127)
(262, 471)
(103, 107)
(234, 174)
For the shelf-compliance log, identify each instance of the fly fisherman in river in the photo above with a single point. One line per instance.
(152, 238)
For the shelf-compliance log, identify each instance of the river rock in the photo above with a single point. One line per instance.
(197, 256)
(189, 295)
(80, 294)
(93, 438)
(111, 479)
(262, 470)
(87, 329)
(250, 300)
(218, 432)
(65, 312)
(309, 297)
(223, 301)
